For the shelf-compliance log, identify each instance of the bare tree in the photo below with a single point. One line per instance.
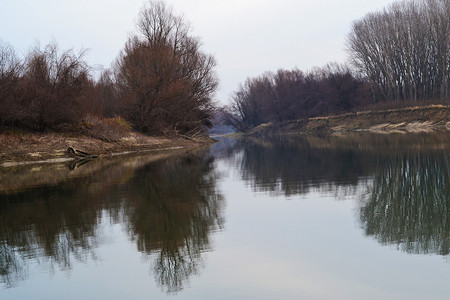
(53, 86)
(167, 81)
(107, 95)
(292, 94)
(10, 72)
(404, 50)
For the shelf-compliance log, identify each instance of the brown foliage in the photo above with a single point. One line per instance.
(165, 80)
(45, 91)
(105, 129)
(162, 82)
(289, 95)
(106, 96)
(10, 72)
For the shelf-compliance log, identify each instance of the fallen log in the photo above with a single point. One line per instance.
(80, 154)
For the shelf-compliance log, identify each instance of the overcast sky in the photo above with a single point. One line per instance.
(247, 37)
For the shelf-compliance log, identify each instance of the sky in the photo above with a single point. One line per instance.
(246, 37)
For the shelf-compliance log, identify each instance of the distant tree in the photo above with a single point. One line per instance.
(107, 95)
(219, 122)
(346, 89)
(163, 76)
(292, 94)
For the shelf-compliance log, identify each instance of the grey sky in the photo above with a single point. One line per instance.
(247, 37)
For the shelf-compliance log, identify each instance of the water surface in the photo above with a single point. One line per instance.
(355, 217)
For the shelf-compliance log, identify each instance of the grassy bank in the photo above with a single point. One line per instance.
(411, 119)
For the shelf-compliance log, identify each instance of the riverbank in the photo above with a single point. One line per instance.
(411, 119)
(25, 147)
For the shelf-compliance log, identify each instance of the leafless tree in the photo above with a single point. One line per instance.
(404, 50)
(167, 81)
(53, 86)
(107, 95)
(10, 72)
(292, 94)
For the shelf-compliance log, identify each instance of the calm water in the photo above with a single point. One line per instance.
(355, 217)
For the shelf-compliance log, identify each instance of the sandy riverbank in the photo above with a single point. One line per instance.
(412, 119)
(24, 147)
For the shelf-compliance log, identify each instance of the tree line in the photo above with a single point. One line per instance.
(399, 53)
(293, 94)
(161, 82)
(404, 50)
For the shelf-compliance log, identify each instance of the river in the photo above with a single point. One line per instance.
(359, 216)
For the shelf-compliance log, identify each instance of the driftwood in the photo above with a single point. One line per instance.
(80, 154)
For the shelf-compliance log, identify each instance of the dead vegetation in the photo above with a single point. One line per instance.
(23, 146)
(406, 119)
(161, 83)
(411, 119)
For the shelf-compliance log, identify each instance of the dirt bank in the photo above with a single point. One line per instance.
(26, 147)
(412, 119)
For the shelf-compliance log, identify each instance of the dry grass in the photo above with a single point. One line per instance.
(108, 130)
(408, 119)
(402, 104)
(103, 137)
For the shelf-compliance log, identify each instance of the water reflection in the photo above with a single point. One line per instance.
(401, 181)
(168, 208)
(171, 211)
(45, 225)
(295, 165)
(409, 203)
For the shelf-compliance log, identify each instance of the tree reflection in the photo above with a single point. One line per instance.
(171, 214)
(45, 225)
(409, 203)
(293, 166)
(168, 207)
